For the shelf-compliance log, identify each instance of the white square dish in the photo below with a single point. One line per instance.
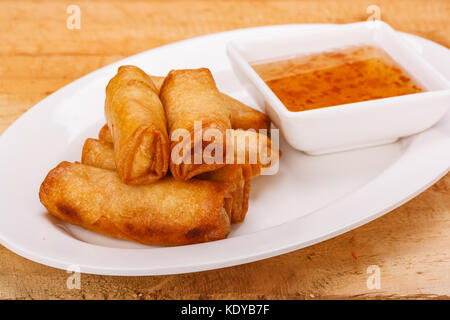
(353, 125)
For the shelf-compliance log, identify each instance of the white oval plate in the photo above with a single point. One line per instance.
(311, 199)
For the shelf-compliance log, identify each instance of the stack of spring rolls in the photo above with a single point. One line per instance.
(129, 186)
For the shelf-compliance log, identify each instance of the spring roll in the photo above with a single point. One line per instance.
(243, 152)
(245, 117)
(240, 176)
(167, 212)
(137, 124)
(105, 134)
(100, 154)
(242, 116)
(190, 98)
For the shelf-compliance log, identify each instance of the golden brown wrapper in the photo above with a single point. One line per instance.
(241, 115)
(240, 176)
(238, 148)
(245, 117)
(100, 154)
(251, 148)
(105, 135)
(191, 97)
(157, 81)
(167, 212)
(137, 124)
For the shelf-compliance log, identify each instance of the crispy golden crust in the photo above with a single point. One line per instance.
(252, 148)
(157, 81)
(239, 148)
(105, 134)
(245, 117)
(100, 154)
(240, 176)
(137, 124)
(167, 212)
(248, 175)
(126, 73)
(241, 115)
(189, 96)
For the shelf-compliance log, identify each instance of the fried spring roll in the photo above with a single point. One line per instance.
(191, 97)
(240, 176)
(242, 116)
(100, 154)
(167, 212)
(137, 124)
(244, 152)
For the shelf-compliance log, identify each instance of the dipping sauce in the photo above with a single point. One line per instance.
(336, 77)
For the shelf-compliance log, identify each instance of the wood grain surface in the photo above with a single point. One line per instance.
(39, 55)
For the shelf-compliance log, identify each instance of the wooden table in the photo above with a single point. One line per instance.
(39, 55)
